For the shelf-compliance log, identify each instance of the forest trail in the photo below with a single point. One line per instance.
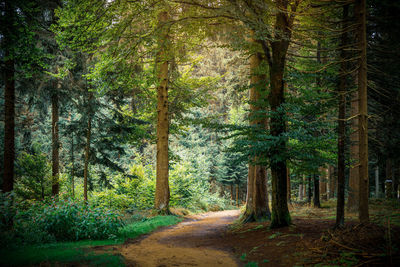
(197, 241)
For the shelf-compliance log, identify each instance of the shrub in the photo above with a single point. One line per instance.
(61, 221)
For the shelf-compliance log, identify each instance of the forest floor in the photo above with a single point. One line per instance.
(215, 239)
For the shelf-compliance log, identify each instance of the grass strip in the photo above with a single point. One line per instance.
(65, 252)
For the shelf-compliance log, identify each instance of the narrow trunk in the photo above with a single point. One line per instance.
(288, 184)
(87, 156)
(309, 191)
(237, 195)
(9, 125)
(316, 201)
(231, 187)
(73, 165)
(332, 182)
(55, 144)
(389, 178)
(304, 185)
(323, 184)
(162, 186)
(300, 192)
(363, 186)
(377, 182)
(342, 124)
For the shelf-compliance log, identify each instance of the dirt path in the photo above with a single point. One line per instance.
(194, 242)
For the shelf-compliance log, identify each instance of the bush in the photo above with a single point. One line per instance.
(60, 221)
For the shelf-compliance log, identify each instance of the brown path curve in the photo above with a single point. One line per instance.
(194, 242)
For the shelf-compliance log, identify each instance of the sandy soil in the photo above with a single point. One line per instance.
(190, 243)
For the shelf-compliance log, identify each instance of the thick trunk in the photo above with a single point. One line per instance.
(162, 186)
(257, 199)
(316, 201)
(342, 125)
(55, 144)
(363, 186)
(352, 199)
(280, 212)
(9, 125)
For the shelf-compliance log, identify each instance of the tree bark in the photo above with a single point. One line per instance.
(55, 143)
(363, 186)
(257, 208)
(237, 195)
(87, 151)
(352, 199)
(162, 185)
(332, 182)
(323, 184)
(389, 176)
(316, 201)
(279, 46)
(304, 185)
(288, 184)
(377, 182)
(309, 191)
(342, 123)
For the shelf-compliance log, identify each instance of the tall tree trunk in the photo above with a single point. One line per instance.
(9, 124)
(237, 195)
(352, 199)
(162, 186)
(300, 192)
(55, 143)
(279, 46)
(342, 123)
(257, 199)
(231, 187)
(316, 201)
(304, 185)
(87, 150)
(363, 187)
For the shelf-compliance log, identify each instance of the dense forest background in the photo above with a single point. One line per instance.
(183, 106)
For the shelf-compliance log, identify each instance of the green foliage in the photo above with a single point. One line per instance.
(33, 175)
(60, 221)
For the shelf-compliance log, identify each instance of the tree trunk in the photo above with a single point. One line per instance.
(237, 195)
(231, 187)
(304, 185)
(332, 182)
(279, 46)
(87, 152)
(257, 208)
(55, 143)
(342, 123)
(323, 184)
(377, 182)
(363, 187)
(352, 199)
(316, 201)
(162, 185)
(300, 192)
(9, 124)
(73, 165)
(288, 184)
(309, 193)
(389, 176)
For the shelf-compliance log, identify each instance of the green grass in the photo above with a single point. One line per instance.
(79, 251)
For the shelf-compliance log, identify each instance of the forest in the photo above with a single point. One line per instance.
(200, 133)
